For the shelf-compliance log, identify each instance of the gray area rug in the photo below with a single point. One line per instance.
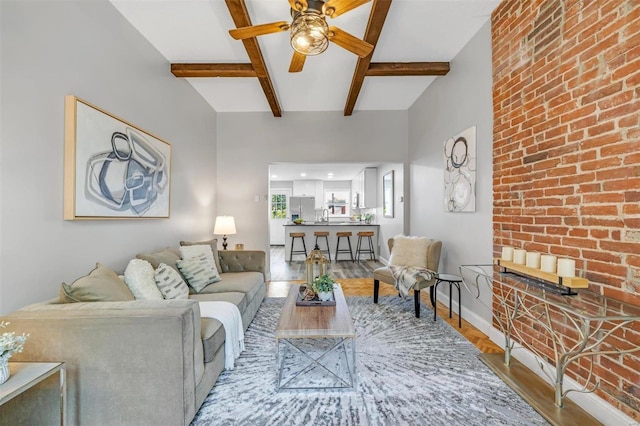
(411, 371)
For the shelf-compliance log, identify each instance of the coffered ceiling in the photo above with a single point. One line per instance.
(412, 34)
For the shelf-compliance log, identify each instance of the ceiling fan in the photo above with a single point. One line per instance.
(310, 33)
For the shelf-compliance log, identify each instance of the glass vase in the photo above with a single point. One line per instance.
(4, 372)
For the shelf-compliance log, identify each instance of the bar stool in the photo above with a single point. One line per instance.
(360, 249)
(325, 235)
(293, 236)
(346, 235)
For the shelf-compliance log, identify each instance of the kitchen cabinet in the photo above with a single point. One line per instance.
(365, 186)
(310, 188)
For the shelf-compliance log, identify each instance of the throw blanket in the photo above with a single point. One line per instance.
(406, 277)
(229, 315)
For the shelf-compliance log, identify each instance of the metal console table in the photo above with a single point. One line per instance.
(591, 320)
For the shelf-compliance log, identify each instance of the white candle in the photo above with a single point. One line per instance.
(519, 256)
(548, 263)
(533, 260)
(566, 267)
(507, 253)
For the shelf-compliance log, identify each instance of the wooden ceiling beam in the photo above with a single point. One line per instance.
(378, 15)
(385, 69)
(240, 16)
(187, 70)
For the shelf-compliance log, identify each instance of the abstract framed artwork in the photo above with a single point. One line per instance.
(112, 168)
(460, 172)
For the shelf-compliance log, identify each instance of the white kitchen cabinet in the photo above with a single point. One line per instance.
(319, 194)
(304, 188)
(365, 186)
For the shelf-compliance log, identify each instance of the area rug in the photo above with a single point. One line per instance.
(411, 371)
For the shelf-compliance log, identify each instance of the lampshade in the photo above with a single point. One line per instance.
(225, 225)
(309, 33)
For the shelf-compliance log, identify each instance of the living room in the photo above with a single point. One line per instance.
(221, 159)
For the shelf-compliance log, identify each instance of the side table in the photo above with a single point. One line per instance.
(452, 280)
(25, 375)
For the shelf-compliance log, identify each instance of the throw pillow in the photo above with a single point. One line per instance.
(139, 277)
(100, 285)
(170, 283)
(409, 251)
(199, 272)
(214, 248)
(167, 256)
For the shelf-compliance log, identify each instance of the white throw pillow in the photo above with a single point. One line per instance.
(139, 277)
(187, 252)
(198, 271)
(170, 283)
(409, 251)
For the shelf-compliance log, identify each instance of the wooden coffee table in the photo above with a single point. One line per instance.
(301, 328)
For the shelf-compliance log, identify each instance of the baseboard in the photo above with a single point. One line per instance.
(589, 402)
(468, 315)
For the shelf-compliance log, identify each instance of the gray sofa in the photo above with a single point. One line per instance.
(140, 362)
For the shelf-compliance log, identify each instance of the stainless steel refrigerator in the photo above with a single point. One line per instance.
(303, 208)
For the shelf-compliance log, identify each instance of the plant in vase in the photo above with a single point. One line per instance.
(9, 344)
(323, 286)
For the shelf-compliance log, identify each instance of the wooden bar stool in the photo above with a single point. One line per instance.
(346, 235)
(325, 235)
(360, 249)
(293, 236)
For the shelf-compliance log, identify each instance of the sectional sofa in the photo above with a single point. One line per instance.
(135, 362)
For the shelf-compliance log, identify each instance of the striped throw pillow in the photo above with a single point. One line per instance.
(170, 283)
(198, 271)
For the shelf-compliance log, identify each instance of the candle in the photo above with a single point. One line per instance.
(507, 253)
(519, 256)
(533, 260)
(566, 267)
(548, 263)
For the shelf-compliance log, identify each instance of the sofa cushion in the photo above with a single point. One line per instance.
(243, 282)
(170, 283)
(167, 256)
(139, 277)
(238, 299)
(214, 249)
(213, 335)
(100, 285)
(198, 271)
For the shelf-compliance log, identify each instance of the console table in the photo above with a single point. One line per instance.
(25, 375)
(590, 320)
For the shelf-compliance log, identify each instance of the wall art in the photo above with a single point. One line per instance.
(460, 172)
(112, 168)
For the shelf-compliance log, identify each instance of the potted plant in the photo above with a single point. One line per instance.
(323, 286)
(9, 344)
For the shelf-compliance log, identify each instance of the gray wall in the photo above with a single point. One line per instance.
(248, 142)
(52, 49)
(450, 105)
(399, 223)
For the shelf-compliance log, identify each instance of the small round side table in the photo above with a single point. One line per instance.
(452, 280)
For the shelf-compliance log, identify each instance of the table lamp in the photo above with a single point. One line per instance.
(225, 225)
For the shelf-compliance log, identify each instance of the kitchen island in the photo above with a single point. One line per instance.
(332, 227)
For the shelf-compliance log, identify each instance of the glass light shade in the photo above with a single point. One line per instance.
(309, 34)
(225, 225)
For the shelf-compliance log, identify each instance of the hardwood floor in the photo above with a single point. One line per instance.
(363, 286)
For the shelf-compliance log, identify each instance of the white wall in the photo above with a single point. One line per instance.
(54, 48)
(391, 226)
(248, 142)
(450, 105)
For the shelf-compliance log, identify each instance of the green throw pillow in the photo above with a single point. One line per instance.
(100, 285)
(199, 272)
(214, 248)
(166, 256)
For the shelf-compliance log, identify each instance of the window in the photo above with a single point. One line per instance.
(278, 206)
(337, 202)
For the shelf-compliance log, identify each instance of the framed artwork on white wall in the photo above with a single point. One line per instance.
(112, 168)
(460, 172)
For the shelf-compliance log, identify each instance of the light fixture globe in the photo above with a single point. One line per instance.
(309, 33)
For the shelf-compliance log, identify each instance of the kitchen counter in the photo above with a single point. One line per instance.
(332, 227)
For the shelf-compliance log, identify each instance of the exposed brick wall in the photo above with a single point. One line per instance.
(566, 155)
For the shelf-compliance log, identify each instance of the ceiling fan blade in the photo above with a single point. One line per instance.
(335, 8)
(299, 5)
(297, 62)
(258, 30)
(349, 42)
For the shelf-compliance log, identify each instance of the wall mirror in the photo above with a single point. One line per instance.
(387, 194)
